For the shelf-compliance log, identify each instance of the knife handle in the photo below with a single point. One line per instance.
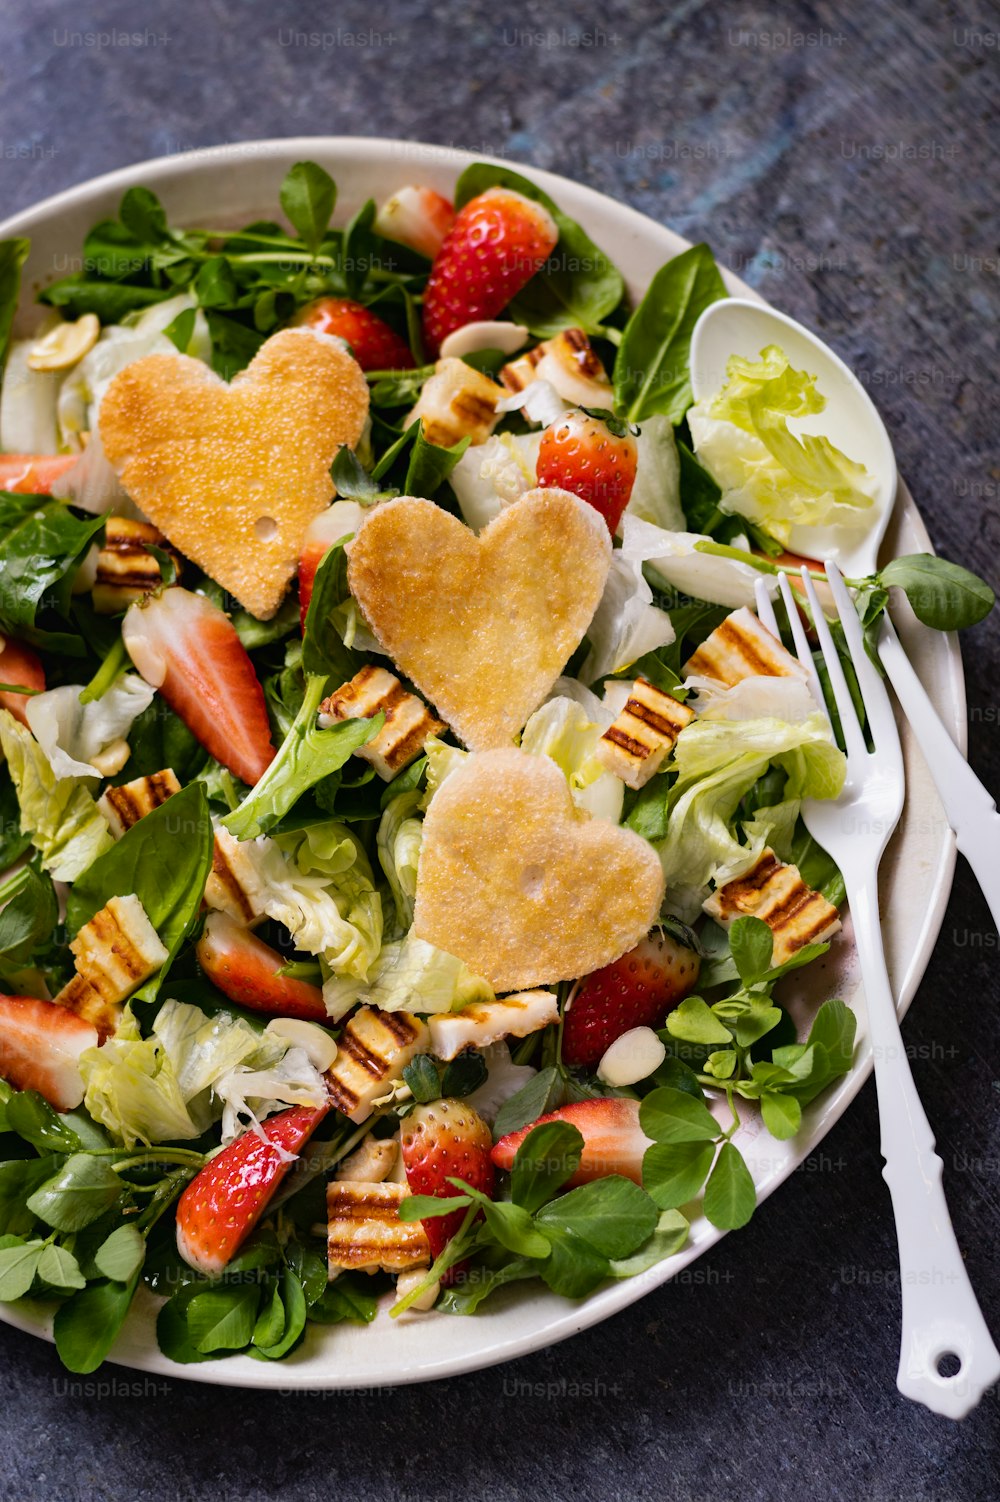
(970, 808)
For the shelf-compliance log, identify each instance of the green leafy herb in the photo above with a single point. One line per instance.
(41, 542)
(941, 594)
(13, 254)
(652, 367)
(83, 1189)
(308, 195)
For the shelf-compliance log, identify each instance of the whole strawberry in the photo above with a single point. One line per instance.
(496, 244)
(635, 991)
(376, 346)
(443, 1140)
(592, 455)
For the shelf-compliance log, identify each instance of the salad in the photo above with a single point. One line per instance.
(399, 795)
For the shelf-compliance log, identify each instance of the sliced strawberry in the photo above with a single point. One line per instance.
(33, 474)
(246, 970)
(40, 1048)
(376, 346)
(592, 458)
(613, 1140)
(223, 1203)
(446, 1139)
(497, 243)
(20, 665)
(636, 991)
(417, 217)
(188, 648)
(337, 521)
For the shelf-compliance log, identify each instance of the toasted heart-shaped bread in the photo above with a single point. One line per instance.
(520, 884)
(482, 625)
(233, 474)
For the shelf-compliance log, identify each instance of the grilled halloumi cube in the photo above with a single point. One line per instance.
(408, 721)
(742, 648)
(126, 569)
(372, 1052)
(776, 893)
(115, 952)
(79, 996)
(457, 402)
(126, 805)
(568, 363)
(635, 745)
(489, 1021)
(371, 1163)
(233, 885)
(365, 1233)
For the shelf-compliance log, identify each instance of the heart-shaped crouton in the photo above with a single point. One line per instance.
(520, 884)
(482, 625)
(233, 474)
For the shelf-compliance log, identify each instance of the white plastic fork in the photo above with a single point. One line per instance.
(947, 1356)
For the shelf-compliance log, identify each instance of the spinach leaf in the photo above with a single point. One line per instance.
(164, 859)
(431, 464)
(111, 301)
(323, 649)
(578, 287)
(13, 841)
(160, 739)
(352, 480)
(41, 541)
(652, 368)
(941, 594)
(13, 254)
(29, 915)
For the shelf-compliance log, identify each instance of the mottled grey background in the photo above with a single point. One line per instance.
(838, 158)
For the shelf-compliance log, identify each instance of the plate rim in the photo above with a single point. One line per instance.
(36, 1318)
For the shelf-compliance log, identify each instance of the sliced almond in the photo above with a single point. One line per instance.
(66, 344)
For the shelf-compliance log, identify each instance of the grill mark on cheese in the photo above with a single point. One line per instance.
(227, 879)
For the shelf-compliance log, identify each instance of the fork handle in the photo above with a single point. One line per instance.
(940, 1311)
(970, 809)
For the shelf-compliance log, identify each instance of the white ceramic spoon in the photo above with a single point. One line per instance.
(851, 421)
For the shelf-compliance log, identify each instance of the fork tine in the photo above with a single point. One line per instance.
(765, 607)
(881, 721)
(849, 723)
(802, 649)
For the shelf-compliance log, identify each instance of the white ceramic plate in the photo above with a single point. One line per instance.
(232, 185)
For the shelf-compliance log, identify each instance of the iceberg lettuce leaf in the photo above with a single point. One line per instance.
(65, 824)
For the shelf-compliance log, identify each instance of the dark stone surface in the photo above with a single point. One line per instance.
(847, 172)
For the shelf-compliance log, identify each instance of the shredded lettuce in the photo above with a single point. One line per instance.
(757, 698)
(74, 735)
(561, 731)
(192, 1070)
(767, 473)
(319, 885)
(410, 975)
(656, 493)
(27, 404)
(494, 474)
(442, 760)
(398, 841)
(626, 624)
(718, 762)
(65, 824)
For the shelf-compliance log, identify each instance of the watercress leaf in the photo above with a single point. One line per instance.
(222, 1318)
(111, 301)
(164, 859)
(233, 343)
(694, 1022)
(541, 1094)
(670, 1115)
(34, 1120)
(121, 1256)
(400, 389)
(751, 943)
(673, 1172)
(358, 249)
(423, 1078)
(782, 1114)
(348, 1298)
(172, 1334)
(308, 195)
(757, 1020)
(730, 1195)
(41, 542)
(429, 1206)
(83, 1189)
(941, 594)
(511, 1225)
(18, 1265)
(18, 1181)
(573, 1268)
(803, 956)
(464, 1074)
(309, 1268)
(296, 1312)
(652, 367)
(669, 1236)
(143, 216)
(548, 1156)
(13, 841)
(87, 1325)
(474, 1284)
(678, 1075)
(180, 330)
(270, 1321)
(59, 1268)
(612, 1214)
(13, 254)
(215, 286)
(89, 1133)
(834, 1026)
(721, 1064)
(353, 481)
